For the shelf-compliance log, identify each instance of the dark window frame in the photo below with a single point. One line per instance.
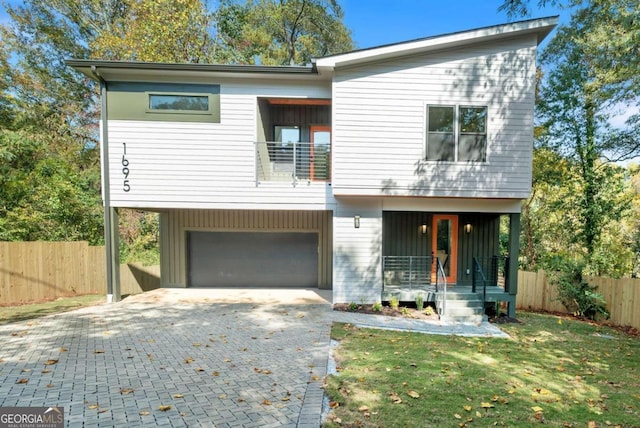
(457, 135)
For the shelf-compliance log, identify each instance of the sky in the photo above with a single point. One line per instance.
(378, 22)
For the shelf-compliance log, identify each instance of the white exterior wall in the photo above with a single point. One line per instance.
(379, 122)
(208, 165)
(357, 253)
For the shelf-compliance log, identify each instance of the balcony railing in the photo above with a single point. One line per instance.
(407, 272)
(292, 162)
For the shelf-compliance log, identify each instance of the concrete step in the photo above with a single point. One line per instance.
(462, 308)
(463, 319)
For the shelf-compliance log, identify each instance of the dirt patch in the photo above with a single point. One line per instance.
(405, 312)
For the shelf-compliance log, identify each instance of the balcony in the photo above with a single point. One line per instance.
(292, 162)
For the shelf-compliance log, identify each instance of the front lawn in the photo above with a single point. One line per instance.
(556, 371)
(29, 311)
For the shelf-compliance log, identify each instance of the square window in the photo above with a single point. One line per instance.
(456, 133)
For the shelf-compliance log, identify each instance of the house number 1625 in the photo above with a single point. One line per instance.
(125, 169)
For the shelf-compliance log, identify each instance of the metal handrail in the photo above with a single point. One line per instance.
(477, 270)
(440, 271)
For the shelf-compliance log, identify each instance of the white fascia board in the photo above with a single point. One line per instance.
(542, 27)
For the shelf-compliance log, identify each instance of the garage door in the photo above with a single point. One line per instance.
(248, 259)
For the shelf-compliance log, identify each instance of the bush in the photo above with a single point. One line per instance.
(376, 307)
(419, 301)
(394, 302)
(577, 295)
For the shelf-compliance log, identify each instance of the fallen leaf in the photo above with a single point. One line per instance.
(537, 409)
(413, 394)
(178, 396)
(188, 360)
(215, 374)
(92, 406)
(457, 416)
(26, 370)
(285, 399)
(363, 409)
(197, 344)
(126, 391)
(50, 362)
(333, 404)
(45, 371)
(266, 402)
(486, 405)
(222, 396)
(227, 360)
(23, 380)
(200, 369)
(102, 409)
(164, 407)
(99, 351)
(395, 398)
(467, 408)
(144, 413)
(50, 385)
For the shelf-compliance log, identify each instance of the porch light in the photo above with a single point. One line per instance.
(356, 222)
(423, 229)
(467, 227)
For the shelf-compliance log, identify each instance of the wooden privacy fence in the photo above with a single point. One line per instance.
(36, 271)
(622, 296)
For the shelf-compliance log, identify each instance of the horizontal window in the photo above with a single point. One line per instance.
(456, 133)
(159, 101)
(179, 102)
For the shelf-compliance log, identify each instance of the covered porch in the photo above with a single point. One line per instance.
(460, 254)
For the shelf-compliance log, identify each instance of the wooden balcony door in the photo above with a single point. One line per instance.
(444, 244)
(320, 152)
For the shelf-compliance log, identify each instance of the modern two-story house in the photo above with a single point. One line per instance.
(375, 173)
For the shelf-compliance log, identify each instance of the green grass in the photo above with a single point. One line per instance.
(34, 310)
(560, 372)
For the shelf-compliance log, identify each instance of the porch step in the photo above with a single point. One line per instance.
(462, 308)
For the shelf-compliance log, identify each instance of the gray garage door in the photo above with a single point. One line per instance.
(248, 259)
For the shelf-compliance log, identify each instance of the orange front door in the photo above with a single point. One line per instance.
(320, 167)
(444, 244)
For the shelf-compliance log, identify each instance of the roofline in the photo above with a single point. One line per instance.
(88, 66)
(541, 26)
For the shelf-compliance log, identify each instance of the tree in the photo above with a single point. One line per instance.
(283, 32)
(577, 97)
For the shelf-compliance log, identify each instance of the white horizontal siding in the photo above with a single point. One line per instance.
(207, 165)
(379, 120)
(357, 257)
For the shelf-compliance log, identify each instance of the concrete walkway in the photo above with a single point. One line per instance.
(223, 358)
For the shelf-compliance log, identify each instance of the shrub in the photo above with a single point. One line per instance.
(428, 310)
(577, 295)
(419, 301)
(376, 307)
(394, 302)
(353, 306)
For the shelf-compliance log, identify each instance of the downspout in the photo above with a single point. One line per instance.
(113, 293)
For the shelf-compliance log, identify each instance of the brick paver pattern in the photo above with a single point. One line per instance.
(221, 365)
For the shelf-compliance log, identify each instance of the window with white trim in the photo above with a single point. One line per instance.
(456, 133)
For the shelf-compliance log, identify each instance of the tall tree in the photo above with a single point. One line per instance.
(283, 32)
(581, 90)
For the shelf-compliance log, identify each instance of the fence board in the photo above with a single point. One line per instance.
(36, 271)
(622, 296)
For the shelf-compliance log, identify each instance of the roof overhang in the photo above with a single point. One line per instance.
(540, 27)
(111, 71)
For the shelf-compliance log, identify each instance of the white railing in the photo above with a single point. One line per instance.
(292, 162)
(441, 282)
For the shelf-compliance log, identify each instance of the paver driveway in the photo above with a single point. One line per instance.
(249, 360)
